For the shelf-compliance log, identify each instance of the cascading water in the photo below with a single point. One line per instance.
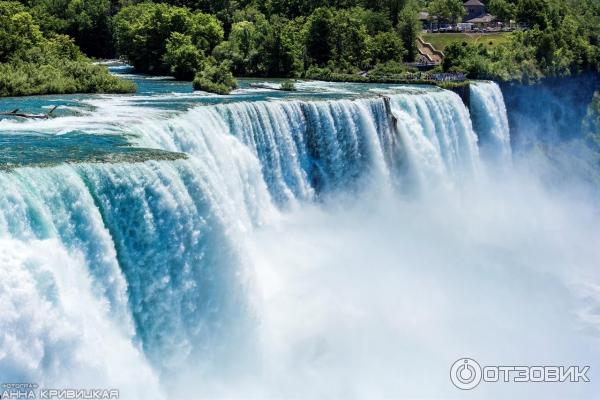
(65, 313)
(437, 135)
(307, 148)
(278, 260)
(491, 122)
(303, 148)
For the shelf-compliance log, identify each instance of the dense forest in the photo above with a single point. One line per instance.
(38, 61)
(45, 44)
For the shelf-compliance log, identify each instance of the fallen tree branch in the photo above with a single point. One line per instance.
(16, 113)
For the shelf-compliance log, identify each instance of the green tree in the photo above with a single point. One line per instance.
(394, 8)
(183, 57)
(205, 30)
(509, 62)
(241, 48)
(295, 8)
(409, 28)
(374, 21)
(32, 64)
(387, 46)
(318, 36)
(17, 29)
(261, 47)
(280, 49)
(538, 13)
(503, 10)
(87, 21)
(349, 41)
(142, 32)
(447, 10)
(337, 39)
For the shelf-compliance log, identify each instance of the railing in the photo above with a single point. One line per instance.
(449, 77)
(423, 63)
(431, 48)
(424, 76)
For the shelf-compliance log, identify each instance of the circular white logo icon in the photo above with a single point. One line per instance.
(465, 373)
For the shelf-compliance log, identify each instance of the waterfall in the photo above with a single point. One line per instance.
(491, 122)
(119, 265)
(309, 149)
(303, 148)
(65, 312)
(123, 273)
(436, 131)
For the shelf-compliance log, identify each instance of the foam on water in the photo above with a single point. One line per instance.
(65, 316)
(491, 122)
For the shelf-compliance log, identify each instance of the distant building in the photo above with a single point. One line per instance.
(484, 21)
(475, 9)
(477, 15)
(425, 19)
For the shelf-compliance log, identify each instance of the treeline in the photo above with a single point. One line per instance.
(272, 40)
(563, 40)
(33, 63)
(213, 40)
(320, 38)
(210, 41)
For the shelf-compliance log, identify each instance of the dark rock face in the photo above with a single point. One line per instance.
(464, 92)
(547, 135)
(550, 111)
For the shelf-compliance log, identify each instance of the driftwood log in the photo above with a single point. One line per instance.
(16, 113)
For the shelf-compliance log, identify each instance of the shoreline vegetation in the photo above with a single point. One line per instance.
(32, 63)
(442, 80)
(47, 46)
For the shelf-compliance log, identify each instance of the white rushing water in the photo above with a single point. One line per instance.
(305, 249)
(491, 121)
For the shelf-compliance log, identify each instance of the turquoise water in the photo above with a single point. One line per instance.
(165, 92)
(23, 144)
(39, 150)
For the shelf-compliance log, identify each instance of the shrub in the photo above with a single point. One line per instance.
(215, 79)
(31, 64)
(388, 68)
(206, 85)
(315, 72)
(288, 86)
(26, 79)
